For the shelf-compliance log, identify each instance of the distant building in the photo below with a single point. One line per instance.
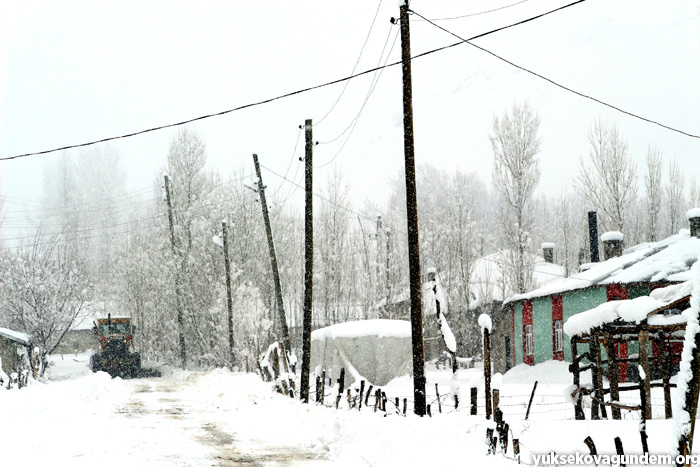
(15, 348)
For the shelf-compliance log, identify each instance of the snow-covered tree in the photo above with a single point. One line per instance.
(45, 290)
(674, 196)
(654, 191)
(693, 194)
(609, 181)
(515, 144)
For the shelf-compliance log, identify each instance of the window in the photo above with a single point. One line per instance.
(528, 340)
(558, 336)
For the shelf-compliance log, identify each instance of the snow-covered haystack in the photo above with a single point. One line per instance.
(376, 350)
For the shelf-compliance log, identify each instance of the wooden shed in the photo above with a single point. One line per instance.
(15, 348)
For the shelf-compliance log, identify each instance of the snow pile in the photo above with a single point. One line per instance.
(485, 322)
(612, 236)
(551, 371)
(681, 416)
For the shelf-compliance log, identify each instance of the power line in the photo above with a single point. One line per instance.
(340, 80)
(353, 68)
(467, 41)
(477, 14)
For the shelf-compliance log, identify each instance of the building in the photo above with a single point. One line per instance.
(15, 348)
(532, 331)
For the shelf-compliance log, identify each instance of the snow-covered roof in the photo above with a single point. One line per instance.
(631, 311)
(613, 235)
(667, 260)
(692, 213)
(16, 336)
(371, 327)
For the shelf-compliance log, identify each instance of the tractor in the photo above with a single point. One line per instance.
(116, 355)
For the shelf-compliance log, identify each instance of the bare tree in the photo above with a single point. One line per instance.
(45, 292)
(674, 193)
(516, 173)
(654, 190)
(609, 183)
(693, 194)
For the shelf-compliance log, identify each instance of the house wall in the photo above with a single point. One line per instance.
(518, 331)
(502, 331)
(8, 352)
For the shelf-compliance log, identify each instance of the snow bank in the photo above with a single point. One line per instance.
(551, 371)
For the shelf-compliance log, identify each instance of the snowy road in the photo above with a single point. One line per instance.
(219, 418)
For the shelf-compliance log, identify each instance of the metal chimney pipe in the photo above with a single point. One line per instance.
(593, 236)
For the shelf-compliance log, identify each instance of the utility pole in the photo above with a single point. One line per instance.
(273, 258)
(309, 266)
(178, 296)
(412, 219)
(229, 296)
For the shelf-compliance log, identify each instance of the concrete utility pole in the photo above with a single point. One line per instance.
(178, 297)
(229, 296)
(273, 258)
(412, 219)
(309, 266)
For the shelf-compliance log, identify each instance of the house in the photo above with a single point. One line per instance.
(533, 322)
(15, 348)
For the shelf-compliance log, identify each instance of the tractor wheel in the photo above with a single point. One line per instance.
(136, 365)
(95, 363)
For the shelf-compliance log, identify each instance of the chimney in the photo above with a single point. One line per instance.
(694, 219)
(548, 252)
(612, 244)
(593, 235)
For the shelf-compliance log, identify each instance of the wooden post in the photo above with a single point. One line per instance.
(504, 438)
(490, 441)
(575, 370)
(596, 407)
(369, 392)
(692, 391)
(419, 398)
(516, 449)
(618, 449)
(341, 387)
(613, 376)
(377, 395)
(591, 446)
(308, 264)
(229, 294)
(362, 394)
(178, 295)
(349, 398)
(273, 258)
(473, 400)
(532, 396)
(405, 405)
(323, 387)
(665, 358)
(644, 363)
(396, 402)
(318, 389)
(437, 393)
(487, 373)
(496, 394)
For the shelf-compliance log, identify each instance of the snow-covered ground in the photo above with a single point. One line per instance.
(221, 418)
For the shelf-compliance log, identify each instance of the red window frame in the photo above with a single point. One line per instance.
(557, 316)
(528, 359)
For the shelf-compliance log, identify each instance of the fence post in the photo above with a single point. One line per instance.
(362, 394)
(341, 387)
(532, 396)
(437, 393)
(487, 373)
(473, 397)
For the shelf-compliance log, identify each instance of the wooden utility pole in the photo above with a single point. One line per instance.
(273, 258)
(178, 297)
(229, 296)
(309, 266)
(487, 371)
(412, 219)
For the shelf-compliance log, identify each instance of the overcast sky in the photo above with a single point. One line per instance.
(77, 71)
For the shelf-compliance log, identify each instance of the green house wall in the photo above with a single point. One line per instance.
(542, 328)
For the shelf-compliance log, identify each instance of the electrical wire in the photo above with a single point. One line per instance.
(476, 14)
(468, 41)
(340, 80)
(353, 68)
(373, 85)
